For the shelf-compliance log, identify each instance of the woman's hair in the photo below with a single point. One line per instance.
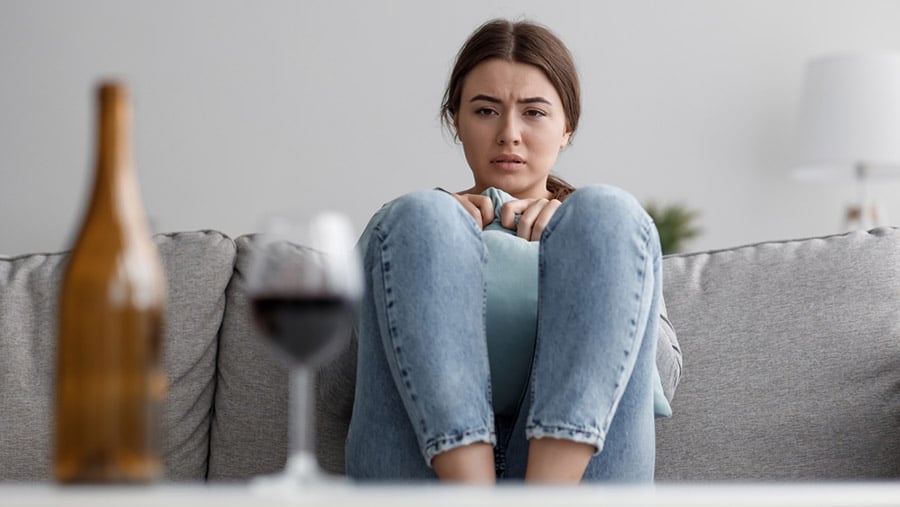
(520, 42)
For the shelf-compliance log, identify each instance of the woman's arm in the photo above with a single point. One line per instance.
(668, 354)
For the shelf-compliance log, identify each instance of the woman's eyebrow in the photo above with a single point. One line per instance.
(533, 100)
(495, 100)
(486, 98)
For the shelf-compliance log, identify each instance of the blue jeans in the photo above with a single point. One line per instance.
(423, 380)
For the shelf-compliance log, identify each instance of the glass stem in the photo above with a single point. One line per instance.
(301, 417)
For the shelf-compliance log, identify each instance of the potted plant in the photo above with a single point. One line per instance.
(675, 223)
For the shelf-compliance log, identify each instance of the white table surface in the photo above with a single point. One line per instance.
(342, 494)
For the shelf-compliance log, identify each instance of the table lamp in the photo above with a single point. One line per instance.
(849, 126)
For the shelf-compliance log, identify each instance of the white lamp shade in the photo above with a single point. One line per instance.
(850, 116)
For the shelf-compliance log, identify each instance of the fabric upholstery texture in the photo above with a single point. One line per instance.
(249, 429)
(792, 361)
(198, 266)
(28, 328)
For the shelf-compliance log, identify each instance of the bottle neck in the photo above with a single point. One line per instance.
(116, 191)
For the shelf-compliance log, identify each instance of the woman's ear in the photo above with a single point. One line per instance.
(456, 133)
(565, 139)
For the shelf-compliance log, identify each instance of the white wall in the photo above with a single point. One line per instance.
(243, 107)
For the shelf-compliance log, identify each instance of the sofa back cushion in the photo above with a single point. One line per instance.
(28, 325)
(249, 428)
(791, 361)
(198, 266)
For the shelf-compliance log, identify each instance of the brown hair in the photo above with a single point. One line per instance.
(521, 42)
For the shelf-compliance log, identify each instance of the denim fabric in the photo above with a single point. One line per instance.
(423, 380)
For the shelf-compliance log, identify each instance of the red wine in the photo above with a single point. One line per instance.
(310, 329)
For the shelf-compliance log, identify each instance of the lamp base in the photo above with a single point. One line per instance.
(859, 218)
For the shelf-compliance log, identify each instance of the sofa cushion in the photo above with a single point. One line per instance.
(792, 361)
(28, 327)
(249, 427)
(198, 266)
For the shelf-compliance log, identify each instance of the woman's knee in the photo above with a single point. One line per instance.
(602, 215)
(427, 220)
(429, 208)
(612, 205)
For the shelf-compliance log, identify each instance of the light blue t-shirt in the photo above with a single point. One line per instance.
(511, 275)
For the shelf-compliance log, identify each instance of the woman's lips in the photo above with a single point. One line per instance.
(508, 162)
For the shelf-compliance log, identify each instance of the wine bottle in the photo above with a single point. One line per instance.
(110, 379)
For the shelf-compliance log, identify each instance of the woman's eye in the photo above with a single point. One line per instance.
(485, 111)
(535, 112)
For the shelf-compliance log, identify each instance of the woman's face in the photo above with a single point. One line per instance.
(512, 126)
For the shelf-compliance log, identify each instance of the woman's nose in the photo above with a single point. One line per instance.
(510, 132)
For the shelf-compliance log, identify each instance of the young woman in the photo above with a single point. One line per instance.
(469, 372)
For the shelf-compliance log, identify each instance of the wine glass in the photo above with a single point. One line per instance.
(305, 283)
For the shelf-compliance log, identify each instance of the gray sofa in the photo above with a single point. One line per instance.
(791, 364)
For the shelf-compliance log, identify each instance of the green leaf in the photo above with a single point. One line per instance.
(675, 223)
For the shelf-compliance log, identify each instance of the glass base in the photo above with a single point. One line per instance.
(301, 476)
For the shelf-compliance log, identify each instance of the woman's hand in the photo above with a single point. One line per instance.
(479, 206)
(535, 215)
